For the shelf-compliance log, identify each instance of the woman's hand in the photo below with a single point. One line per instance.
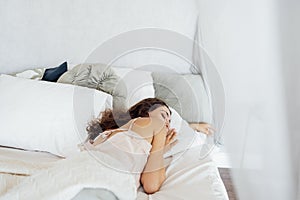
(171, 136)
(170, 139)
(203, 127)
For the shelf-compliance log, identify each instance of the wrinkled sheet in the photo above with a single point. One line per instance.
(64, 178)
(189, 176)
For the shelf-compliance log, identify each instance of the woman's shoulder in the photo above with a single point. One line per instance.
(153, 123)
(148, 121)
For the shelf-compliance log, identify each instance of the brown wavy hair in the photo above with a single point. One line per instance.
(112, 119)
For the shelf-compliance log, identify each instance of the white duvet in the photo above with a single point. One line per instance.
(65, 178)
(188, 177)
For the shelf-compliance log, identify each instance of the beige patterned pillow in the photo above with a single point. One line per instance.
(100, 77)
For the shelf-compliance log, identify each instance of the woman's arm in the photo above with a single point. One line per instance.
(202, 127)
(154, 172)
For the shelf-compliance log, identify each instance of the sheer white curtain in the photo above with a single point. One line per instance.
(289, 19)
(244, 39)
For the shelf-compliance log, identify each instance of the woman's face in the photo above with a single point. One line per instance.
(163, 113)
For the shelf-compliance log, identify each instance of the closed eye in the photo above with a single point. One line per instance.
(164, 115)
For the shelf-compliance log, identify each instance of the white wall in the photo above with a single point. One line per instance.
(243, 39)
(45, 33)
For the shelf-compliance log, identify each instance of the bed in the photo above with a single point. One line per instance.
(55, 115)
(44, 107)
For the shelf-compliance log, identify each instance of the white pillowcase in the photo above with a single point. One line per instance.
(35, 74)
(186, 136)
(139, 84)
(46, 116)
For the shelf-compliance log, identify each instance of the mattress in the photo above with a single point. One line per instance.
(188, 175)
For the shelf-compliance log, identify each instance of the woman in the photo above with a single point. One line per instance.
(144, 129)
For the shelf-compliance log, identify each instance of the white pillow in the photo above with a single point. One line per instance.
(186, 136)
(35, 74)
(139, 84)
(46, 116)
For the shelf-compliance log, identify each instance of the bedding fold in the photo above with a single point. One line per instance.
(190, 174)
(68, 177)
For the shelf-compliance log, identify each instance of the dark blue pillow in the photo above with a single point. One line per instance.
(53, 74)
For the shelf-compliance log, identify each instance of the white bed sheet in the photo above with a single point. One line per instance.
(67, 177)
(188, 177)
(17, 164)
